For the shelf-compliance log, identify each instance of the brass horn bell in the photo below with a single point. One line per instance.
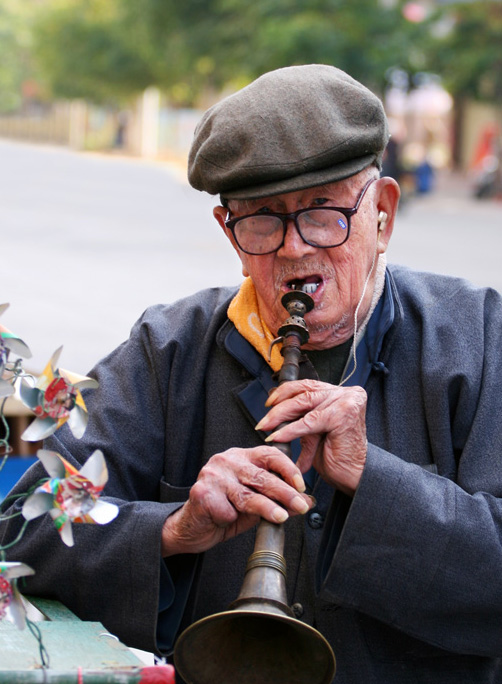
(257, 640)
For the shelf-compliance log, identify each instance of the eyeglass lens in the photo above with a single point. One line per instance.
(318, 227)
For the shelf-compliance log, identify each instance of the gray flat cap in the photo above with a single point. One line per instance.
(291, 129)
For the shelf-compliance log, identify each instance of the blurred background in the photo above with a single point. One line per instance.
(98, 103)
(133, 75)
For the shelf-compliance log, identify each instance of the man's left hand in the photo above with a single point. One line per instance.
(331, 422)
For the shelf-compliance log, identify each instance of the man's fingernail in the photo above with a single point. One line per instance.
(280, 515)
(300, 504)
(299, 483)
(271, 397)
(271, 438)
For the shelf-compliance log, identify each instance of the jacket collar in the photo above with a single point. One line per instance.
(254, 395)
(369, 348)
(368, 352)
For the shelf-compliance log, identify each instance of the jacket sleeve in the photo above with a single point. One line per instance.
(422, 555)
(420, 549)
(114, 573)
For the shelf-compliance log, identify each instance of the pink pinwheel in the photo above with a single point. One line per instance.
(11, 603)
(55, 399)
(71, 495)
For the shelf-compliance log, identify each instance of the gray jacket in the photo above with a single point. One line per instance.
(404, 580)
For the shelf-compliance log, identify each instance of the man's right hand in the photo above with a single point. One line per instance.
(233, 491)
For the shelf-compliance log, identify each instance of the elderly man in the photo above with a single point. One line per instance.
(393, 538)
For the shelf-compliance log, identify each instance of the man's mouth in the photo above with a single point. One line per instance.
(308, 285)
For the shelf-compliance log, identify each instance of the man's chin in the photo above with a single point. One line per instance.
(327, 335)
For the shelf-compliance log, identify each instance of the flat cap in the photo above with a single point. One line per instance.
(291, 129)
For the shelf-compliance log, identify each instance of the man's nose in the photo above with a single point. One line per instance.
(294, 246)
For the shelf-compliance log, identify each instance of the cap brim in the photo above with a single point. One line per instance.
(303, 181)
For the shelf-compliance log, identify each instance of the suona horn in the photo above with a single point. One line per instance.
(257, 640)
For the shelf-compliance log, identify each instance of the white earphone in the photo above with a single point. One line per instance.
(382, 220)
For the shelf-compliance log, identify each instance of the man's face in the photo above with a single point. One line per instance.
(335, 276)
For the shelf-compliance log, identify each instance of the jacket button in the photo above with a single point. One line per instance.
(297, 609)
(316, 521)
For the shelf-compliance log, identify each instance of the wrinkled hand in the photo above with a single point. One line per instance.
(233, 490)
(331, 422)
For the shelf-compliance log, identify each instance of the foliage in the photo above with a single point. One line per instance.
(85, 49)
(332, 32)
(225, 43)
(100, 50)
(109, 50)
(470, 54)
(15, 63)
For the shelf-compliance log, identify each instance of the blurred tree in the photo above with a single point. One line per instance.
(363, 37)
(15, 63)
(468, 54)
(214, 44)
(109, 48)
(88, 49)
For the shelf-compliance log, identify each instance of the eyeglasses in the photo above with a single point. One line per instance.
(322, 227)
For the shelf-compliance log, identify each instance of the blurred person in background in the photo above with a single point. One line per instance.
(391, 162)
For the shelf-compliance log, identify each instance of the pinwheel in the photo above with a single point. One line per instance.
(9, 342)
(71, 495)
(55, 399)
(11, 604)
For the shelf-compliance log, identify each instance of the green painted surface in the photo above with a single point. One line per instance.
(68, 677)
(70, 644)
(53, 610)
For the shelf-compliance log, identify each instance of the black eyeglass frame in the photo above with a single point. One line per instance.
(347, 212)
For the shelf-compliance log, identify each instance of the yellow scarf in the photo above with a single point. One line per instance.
(244, 313)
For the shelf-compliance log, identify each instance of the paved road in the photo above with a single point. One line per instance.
(89, 241)
(450, 232)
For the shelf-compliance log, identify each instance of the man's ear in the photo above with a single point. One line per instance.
(220, 214)
(387, 201)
